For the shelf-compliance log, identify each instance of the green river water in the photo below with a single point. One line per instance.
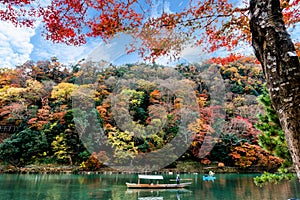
(112, 187)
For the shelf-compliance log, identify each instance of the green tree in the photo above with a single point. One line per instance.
(23, 147)
(273, 140)
(272, 136)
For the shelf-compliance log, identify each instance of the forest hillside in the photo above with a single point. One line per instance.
(51, 114)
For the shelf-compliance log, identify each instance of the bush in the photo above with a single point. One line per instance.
(92, 164)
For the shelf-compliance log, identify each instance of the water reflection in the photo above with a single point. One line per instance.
(112, 187)
(144, 194)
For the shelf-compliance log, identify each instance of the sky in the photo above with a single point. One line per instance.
(18, 45)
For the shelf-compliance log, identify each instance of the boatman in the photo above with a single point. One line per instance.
(178, 179)
(211, 173)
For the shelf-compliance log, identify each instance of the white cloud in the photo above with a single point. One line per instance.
(193, 54)
(114, 51)
(18, 45)
(15, 46)
(107, 52)
(66, 54)
(159, 6)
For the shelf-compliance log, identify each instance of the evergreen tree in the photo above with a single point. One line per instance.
(272, 136)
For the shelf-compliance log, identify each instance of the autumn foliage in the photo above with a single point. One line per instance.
(219, 23)
(35, 100)
(248, 155)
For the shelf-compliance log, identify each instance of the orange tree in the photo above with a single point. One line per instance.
(247, 155)
(219, 23)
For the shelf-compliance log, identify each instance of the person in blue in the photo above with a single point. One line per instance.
(178, 179)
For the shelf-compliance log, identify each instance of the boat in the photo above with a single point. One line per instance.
(208, 178)
(155, 185)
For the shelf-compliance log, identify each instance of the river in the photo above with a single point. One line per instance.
(112, 187)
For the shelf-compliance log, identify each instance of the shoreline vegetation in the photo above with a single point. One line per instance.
(191, 167)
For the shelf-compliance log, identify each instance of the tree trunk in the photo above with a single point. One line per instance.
(276, 52)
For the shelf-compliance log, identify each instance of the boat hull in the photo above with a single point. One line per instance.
(209, 178)
(154, 186)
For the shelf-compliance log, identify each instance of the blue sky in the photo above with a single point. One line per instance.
(18, 45)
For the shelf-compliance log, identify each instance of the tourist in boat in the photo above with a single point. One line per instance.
(178, 179)
(211, 173)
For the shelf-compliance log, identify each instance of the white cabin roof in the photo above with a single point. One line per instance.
(150, 198)
(153, 177)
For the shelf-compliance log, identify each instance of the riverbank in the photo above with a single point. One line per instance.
(181, 167)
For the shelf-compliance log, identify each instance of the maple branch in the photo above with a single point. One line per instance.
(190, 21)
(242, 10)
(210, 22)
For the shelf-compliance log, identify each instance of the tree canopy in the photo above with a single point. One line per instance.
(214, 23)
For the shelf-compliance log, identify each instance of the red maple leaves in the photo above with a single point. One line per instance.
(218, 23)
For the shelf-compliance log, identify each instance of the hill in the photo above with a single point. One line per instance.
(95, 114)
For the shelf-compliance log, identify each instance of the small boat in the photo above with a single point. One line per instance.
(155, 185)
(208, 178)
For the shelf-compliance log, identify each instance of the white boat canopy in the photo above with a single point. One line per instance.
(153, 177)
(150, 198)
